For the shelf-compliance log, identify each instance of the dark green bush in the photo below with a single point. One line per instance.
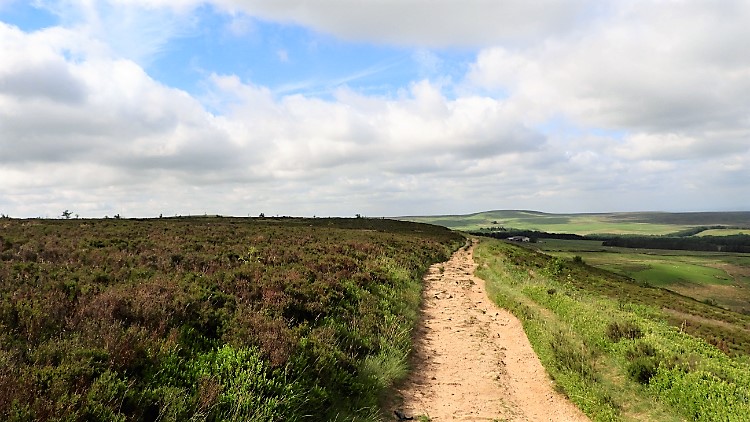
(642, 369)
(644, 362)
(617, 331)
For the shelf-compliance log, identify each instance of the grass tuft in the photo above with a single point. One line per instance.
(617, 331)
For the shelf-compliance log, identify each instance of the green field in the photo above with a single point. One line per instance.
(723, 232)
(622, 351)
(647, 223)
(720, 278)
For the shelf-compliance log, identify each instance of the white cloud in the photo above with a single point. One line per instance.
(423, 22)
(116, 133)
(97, 111)
(309, 133)
(673, 75)
(137, 30)
(33, 71)
(652, 96)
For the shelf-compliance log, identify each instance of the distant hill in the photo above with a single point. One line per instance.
(649, 223)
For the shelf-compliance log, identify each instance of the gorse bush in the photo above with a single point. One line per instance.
(207, 318)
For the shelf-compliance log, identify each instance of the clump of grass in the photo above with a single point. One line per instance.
(617, 331)
(572, 356)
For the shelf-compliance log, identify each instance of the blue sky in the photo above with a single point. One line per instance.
(285, 57)
(379, 108)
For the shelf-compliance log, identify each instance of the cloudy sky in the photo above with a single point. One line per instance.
(377, 107)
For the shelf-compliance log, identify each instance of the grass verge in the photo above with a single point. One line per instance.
(616, 358)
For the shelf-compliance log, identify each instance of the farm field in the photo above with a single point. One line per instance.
(621, 350)
(645, 223)
(723, 232)
(711, 277)
(208, 318)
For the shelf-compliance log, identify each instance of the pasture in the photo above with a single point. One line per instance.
(711, 277)
(644, 223)
(723, 232)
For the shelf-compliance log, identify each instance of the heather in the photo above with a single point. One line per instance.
(207, 318)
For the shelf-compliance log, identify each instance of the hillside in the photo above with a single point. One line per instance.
(656, 223)
(622, 351)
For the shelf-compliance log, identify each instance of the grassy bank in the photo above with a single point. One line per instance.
(711, 277)
(613, 346)
(207, 318)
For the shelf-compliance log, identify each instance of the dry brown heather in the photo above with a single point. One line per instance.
(220, 318)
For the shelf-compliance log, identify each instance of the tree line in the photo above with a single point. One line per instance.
(677, 241)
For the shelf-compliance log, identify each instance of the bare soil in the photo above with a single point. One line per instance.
(472, 360)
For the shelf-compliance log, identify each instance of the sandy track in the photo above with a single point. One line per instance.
(472, 360)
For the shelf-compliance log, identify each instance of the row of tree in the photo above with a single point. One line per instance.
(731, 243)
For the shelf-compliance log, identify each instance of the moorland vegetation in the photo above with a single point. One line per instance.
(622, 350)
(207, 318)
(273, 319)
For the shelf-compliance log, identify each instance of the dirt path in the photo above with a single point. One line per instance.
(472, 360)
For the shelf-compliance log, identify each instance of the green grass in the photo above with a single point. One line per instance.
(668, 273)
(612, 346)
(723, 232)
(721, 278)
(605, 223)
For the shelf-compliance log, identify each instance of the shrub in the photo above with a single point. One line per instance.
(641, 349)
(572, 357)
(617, 331)
(555, 267)
(643, 369)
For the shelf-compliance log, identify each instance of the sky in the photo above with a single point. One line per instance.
(372, 107)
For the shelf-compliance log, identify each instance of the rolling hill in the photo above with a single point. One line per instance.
(649, 223)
